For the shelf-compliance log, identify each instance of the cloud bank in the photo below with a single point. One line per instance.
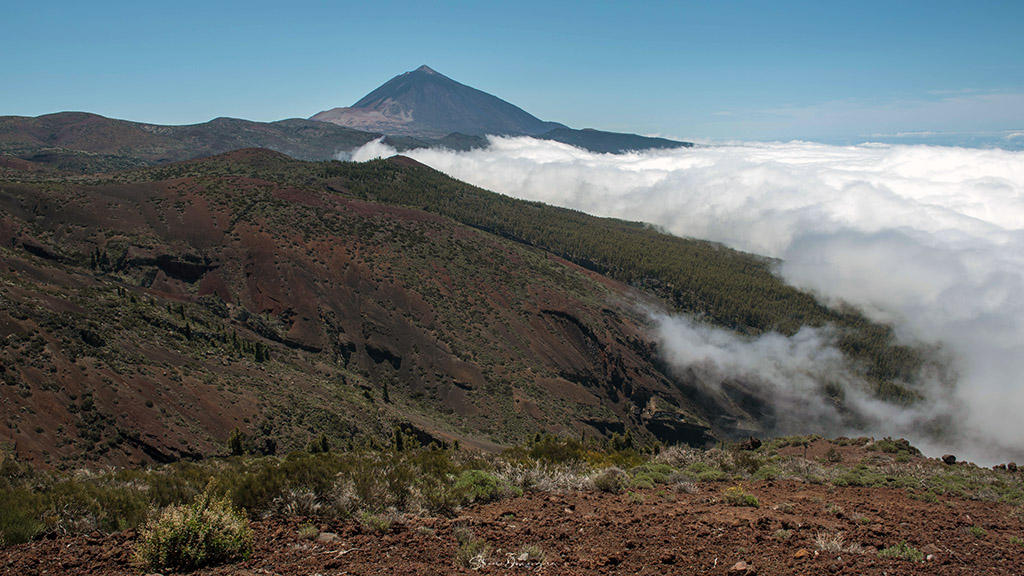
(929, 239)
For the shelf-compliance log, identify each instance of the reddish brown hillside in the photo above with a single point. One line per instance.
(137, 314)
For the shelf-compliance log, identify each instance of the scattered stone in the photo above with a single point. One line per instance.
(327, 537)
(802, 553)
(743, 567)
(949, 459)
(1012, 466)
(751, 443)
(998, 467)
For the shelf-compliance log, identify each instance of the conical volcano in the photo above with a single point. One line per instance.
(426, 103)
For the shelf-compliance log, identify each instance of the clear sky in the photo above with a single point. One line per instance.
(841, 72)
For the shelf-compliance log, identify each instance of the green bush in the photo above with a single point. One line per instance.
(557, 450)
(377, 523)
(611, 480)
(19, 510)
(737, 496)
(703, 472)
(207, 531)
(647, 475)
(481, 486)
(902, 551)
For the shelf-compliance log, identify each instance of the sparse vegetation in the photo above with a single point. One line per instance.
(473, 552)
(530, 554)
(737, 496)
(835, 542)
(308, 532)
(480, 486)
(902, 551)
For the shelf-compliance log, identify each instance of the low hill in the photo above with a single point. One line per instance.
(87, 143)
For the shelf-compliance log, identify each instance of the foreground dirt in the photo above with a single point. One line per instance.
(656, 531)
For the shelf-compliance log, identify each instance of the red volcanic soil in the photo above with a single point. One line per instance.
(654, 531)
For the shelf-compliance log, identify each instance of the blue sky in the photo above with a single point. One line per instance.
(840, 72)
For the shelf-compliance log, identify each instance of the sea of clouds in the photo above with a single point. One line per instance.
(929, 239)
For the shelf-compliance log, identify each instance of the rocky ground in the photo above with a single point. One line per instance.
(797, 528)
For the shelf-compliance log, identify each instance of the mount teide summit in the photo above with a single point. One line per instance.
(426, 104)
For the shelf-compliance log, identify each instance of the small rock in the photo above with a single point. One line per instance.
(327, 537)
(949, 458)
(1012, 466)
(741, 566)
(751, 443)
(802, 553)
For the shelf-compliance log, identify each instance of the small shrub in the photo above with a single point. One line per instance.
(977, 531)
(207, 531)
(557, 450)
(706, 473)
(308, 532)
(897, 446)
(19, 510)
(767, 472)
(737, 496)
(783, 534)
(611, 480)
(836, 543)
(647, 475)
(530, 554)
(636, 499)
(480, 486)
(684, 487)
(319, 445)
(472, 552)
(1016, 541)
(377, 523)
(902, 551)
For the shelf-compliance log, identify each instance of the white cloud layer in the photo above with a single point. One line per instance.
(930, 239)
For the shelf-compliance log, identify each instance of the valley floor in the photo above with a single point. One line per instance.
(797, 528)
